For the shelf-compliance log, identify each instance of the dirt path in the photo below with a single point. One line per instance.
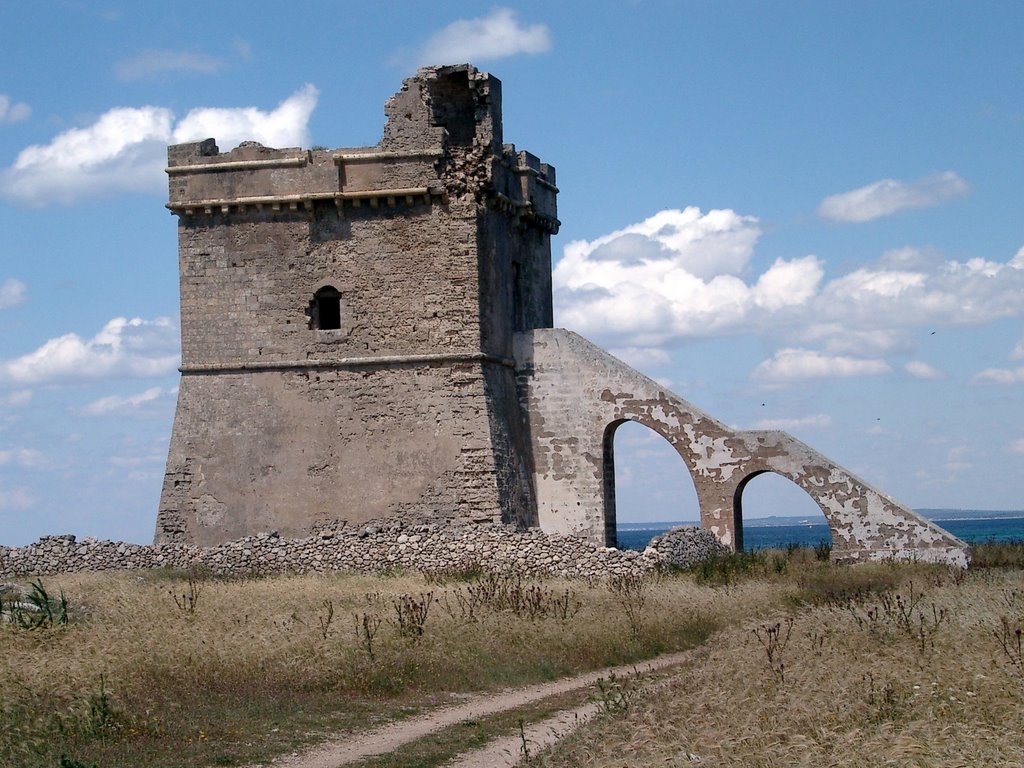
(353, 747)
(507, 751)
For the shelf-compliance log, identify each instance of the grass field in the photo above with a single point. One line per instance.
(927, 673)
(809, 663)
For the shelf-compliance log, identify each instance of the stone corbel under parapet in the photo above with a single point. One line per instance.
(374, 198)
(523, 212)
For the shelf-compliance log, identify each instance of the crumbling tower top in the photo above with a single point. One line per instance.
(457, 102)
(442, 139)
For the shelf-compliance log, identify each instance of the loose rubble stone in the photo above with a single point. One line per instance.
(385, 545)
(685, 545)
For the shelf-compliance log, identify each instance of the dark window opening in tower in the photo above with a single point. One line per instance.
(325, 309)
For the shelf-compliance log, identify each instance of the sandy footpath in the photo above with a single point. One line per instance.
(503, 751)
(507, 751)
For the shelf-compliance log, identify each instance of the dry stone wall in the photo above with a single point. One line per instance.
(376, 547)
(687, 544)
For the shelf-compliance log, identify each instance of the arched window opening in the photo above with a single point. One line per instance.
(774, 512)
(648, 486)
(325, 309)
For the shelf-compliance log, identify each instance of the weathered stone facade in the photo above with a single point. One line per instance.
(432, 249)
(366, 333)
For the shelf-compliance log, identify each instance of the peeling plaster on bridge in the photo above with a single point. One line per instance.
(575, 396)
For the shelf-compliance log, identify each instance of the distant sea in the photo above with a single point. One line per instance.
(970, 525)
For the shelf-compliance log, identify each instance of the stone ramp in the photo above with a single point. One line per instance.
(576, 395)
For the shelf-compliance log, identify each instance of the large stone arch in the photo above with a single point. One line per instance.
(571, 391)
(608, 465)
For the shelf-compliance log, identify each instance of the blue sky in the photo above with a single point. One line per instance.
(804, 216)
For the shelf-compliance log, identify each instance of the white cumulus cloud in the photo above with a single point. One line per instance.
(153, 63)
(889, 196)
(673, 276)
(788, 365)
(12, 293)
(495, 36)
(921, 370)
(125, 149)
(1017, 446)
(282, 127)
(842, 338)
(124, 348)
(683, 275)
(1018, 351)
(118, 404)
(885, 302)
(25, 458)
(13, 111)
(1000, 376)
(16, 499)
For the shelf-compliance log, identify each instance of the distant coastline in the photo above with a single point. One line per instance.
(971, 514)
(938, 515)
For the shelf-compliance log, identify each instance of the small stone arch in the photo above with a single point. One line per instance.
(737, 503)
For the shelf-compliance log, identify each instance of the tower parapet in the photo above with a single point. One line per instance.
(442, 140)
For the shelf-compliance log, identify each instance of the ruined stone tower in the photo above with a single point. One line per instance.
(366, 333)
(347, 319)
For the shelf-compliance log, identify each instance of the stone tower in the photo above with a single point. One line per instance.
(366, 333)
(347, 322)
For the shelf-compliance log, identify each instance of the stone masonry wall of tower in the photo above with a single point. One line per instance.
(436, 244)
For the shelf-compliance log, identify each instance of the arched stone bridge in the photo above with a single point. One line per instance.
(576, 395)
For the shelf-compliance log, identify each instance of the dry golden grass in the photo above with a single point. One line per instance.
(260, 667)
(861, 681)
(138, 678)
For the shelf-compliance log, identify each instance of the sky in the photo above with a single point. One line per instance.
(797, 215)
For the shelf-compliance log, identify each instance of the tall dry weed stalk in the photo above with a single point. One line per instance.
(500, 593)
(367, 626)
(188, 602)
(1009, 637)
(906, 612)
(774, 638)
(630, 590)
(886, 703)
(326, 618)
(411, 614)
